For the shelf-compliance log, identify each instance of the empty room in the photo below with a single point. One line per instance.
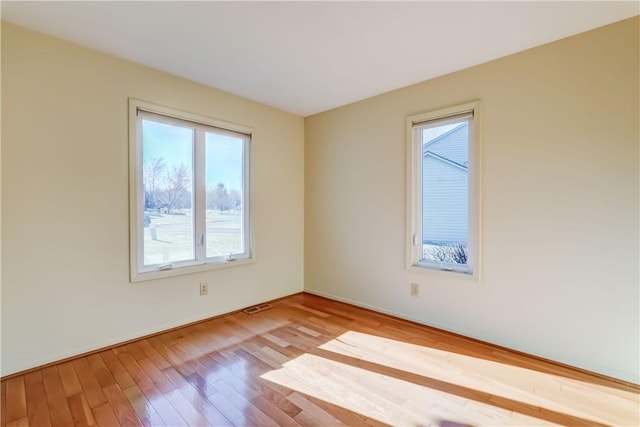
(320, 213)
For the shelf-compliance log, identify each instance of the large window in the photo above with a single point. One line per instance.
(443, 190)
(189, 192)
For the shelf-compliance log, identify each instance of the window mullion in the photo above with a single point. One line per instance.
(199, 202)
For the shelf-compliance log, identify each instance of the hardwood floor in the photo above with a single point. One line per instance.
(310, 361)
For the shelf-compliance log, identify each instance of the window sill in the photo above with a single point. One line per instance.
(442, 273)
(159, 274)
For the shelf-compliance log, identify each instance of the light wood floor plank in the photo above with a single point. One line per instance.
(309, 361)
(244, 405)
(3, 404)
(193, 395)
(153, 355)
(16, 399)
(158, 378)
(118, 371)
(164, 408)
(230, 412)
(100, 371)
(139, 402)
(136, 372)
(186, 368)
(37, 405)
(22, 422)
(185, 409)
(90, 387)
(273, 412)
(134, 350)
(121, 408)
(105, 417)
(81, 411)
(153, 421)
(58, 406)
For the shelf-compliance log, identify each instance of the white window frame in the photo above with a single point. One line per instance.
(138, 271)
(414, 244)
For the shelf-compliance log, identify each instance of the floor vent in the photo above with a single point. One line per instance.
(257, 308)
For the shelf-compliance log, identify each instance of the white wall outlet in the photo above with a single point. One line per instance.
(204, 288)
(415, 290)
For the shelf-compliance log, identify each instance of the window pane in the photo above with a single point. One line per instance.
(445, 170)
(224, 183)
(167, 152)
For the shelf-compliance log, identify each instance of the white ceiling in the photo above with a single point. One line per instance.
(307, 57)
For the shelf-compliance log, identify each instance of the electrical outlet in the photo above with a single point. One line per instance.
(415, 290)
(204, 288)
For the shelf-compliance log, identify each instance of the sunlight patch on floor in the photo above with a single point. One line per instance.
(387, 399)
(556, 393)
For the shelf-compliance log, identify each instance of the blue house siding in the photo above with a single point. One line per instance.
(444, 202)
(445, 188)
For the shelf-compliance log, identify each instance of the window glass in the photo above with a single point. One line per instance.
(224, 197)
(167, 175)
(445, 193)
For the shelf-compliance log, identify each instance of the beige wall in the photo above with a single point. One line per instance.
(65, 252)
(559, 203)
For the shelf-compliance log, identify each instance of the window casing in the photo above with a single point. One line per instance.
(189, 192)
(443, 184)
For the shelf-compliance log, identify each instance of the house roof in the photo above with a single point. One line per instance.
(444, 135)
(444, 159)
(452, 151)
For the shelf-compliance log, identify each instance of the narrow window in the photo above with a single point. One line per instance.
(189, 192)
(443, 175)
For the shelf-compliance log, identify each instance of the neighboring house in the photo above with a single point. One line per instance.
(445, 186)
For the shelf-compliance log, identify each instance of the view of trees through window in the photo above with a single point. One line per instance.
(169, 190)
(169, 193)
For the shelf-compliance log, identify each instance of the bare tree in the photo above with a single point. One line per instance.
(222, 199)
(236, 198)
(453, 252)
(176, 187)
(152, 175)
